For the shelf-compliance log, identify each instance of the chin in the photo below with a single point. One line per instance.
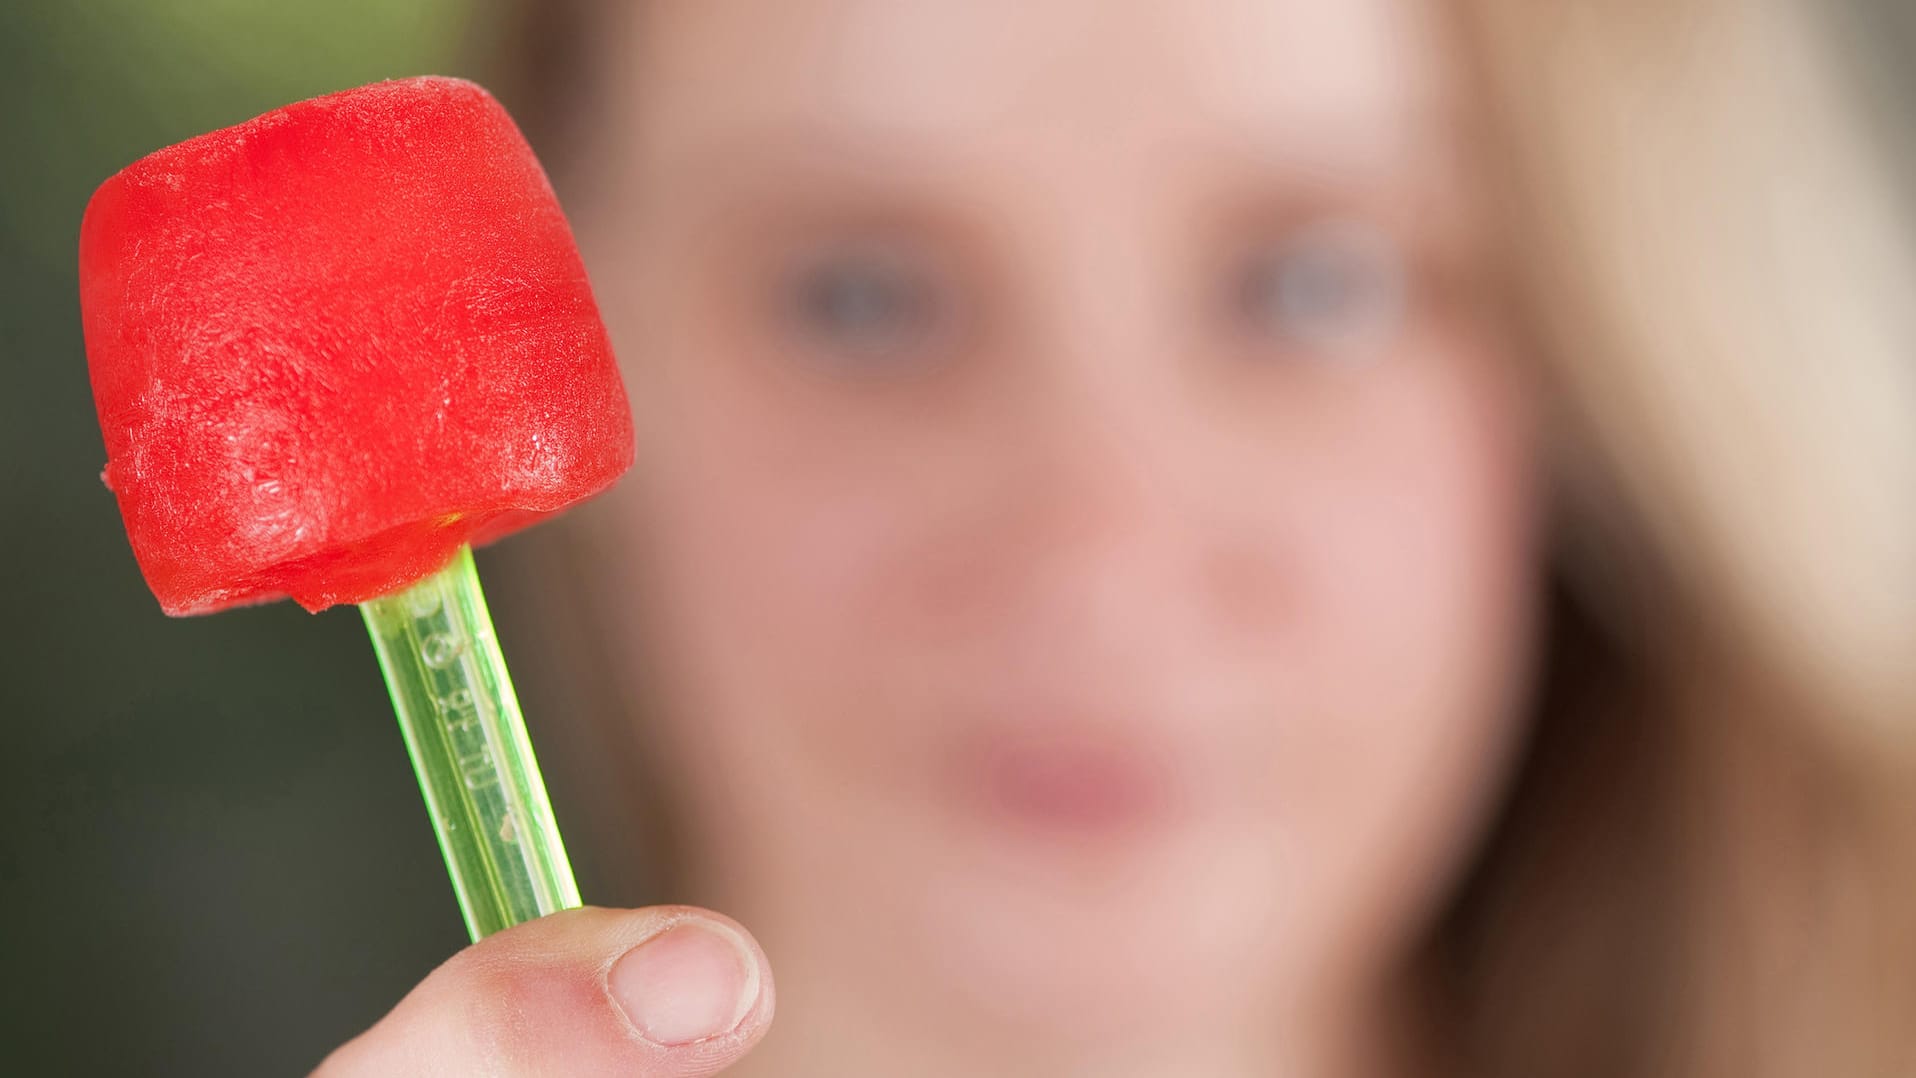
(1099, 940)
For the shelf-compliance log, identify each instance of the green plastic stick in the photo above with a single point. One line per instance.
(469, 747)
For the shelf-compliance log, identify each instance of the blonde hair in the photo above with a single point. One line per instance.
(1712, 264)
(1702, 865)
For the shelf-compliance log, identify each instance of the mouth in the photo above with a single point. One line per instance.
(1068, 782)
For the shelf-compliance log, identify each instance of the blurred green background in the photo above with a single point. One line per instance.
(214, 859)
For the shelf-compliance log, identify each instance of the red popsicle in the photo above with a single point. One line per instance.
(332, 344)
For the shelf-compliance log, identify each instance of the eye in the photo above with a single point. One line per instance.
(1337, 288)
(866, 307)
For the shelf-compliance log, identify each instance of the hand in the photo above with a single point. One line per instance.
(667, 992)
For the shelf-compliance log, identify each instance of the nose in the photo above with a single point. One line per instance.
(1104, 541)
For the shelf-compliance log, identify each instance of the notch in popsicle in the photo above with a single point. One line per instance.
(332, 349)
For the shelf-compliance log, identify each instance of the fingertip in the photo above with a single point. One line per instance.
(663, 992)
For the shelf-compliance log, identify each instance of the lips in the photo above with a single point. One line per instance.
(1072, 781)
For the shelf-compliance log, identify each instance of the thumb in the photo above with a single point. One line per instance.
(666, 992)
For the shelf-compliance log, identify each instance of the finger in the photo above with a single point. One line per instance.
(667, 992)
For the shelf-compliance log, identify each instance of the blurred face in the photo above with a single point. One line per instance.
(1080, 543)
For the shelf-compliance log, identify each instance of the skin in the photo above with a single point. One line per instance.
(1083, 533)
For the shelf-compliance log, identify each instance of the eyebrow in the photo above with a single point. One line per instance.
(1346, 153)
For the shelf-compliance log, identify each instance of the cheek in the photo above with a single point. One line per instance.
(1414, 585)
(762, 519)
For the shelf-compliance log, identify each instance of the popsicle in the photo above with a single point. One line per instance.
(331, 349)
